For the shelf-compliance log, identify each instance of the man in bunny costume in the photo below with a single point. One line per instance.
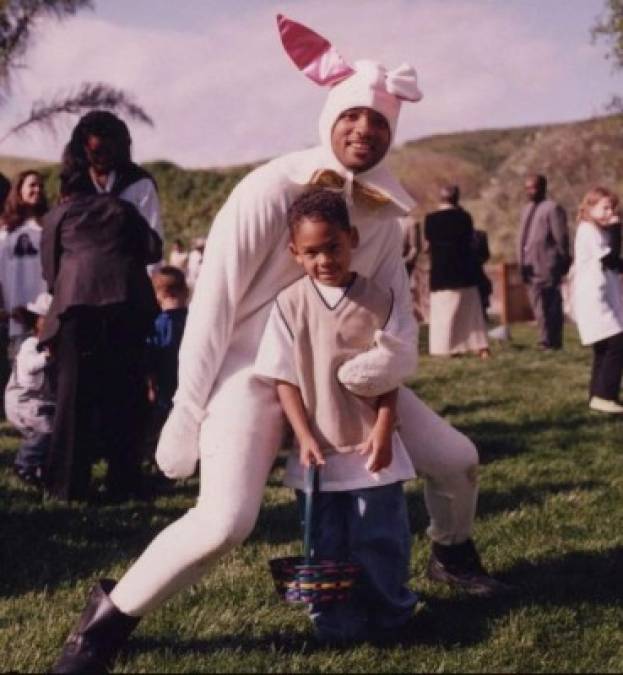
(232, 420)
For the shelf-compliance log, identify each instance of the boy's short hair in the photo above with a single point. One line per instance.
(319, 204)
(170, 281)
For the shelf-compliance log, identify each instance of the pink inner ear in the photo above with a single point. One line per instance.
(301, 43)
(312, 53)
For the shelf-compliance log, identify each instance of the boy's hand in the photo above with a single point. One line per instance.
(379, 447)
(310, 452)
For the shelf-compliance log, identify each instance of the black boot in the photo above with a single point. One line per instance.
(100, 633)
(459, 565)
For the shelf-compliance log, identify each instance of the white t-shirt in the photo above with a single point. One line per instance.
(342, 471)
(597, 296)
(21, 277)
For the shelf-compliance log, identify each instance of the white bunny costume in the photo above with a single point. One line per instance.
(231, 419)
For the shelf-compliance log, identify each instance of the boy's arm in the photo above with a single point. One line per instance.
(379, 443)
(292, 404)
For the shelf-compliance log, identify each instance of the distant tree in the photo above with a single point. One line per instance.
(609, 27)
(18, 19)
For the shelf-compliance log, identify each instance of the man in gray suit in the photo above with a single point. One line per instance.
(544, 258)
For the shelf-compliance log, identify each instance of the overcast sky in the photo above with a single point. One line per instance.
(214, 77)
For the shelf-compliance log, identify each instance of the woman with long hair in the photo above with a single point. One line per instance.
(99, 155)
(94, 251)
(21, 278)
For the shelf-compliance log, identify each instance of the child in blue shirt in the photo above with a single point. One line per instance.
(163, 346)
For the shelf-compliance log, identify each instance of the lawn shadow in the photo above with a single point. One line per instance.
(568, 581)
(452, 621)
(273, 643)
(278, 524)
(496, 439)
(472, 406)
(59, 543)
(491, 502)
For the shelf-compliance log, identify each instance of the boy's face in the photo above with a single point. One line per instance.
(360, 138)
(324, 251)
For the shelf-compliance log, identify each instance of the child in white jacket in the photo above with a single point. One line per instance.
(597, 297)
(28, 400)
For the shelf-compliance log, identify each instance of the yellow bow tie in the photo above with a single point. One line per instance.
(364, 195)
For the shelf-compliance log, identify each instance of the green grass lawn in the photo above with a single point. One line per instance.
(550, 521)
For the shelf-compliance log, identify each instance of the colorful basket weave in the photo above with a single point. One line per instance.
(302, 579)
(319, 581)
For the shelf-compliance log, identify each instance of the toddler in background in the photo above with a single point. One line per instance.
(597, 297)
(163, 346)
(28, 400)
(330, 318)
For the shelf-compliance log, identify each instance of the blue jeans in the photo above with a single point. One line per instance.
(33, 450)
(369, 527)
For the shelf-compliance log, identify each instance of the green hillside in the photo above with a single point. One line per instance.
(489, 165)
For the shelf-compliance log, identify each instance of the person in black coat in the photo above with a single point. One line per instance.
(94, 251)
(456, 317)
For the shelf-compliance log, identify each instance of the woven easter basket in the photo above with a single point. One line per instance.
(317, 581)
(302, 579)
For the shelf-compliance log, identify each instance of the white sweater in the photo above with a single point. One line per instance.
(597, 297)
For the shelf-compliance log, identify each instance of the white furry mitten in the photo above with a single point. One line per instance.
(178, 448)
(380, 369)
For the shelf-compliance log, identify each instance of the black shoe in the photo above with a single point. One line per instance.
(101, 631)
(460, 566)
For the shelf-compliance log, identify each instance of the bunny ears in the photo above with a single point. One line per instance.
(311, 53)
(316, 57)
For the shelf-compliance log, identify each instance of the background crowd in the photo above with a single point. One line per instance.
(90, 371)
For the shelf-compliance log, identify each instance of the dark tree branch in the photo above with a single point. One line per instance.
(17, 20)
(89, 96)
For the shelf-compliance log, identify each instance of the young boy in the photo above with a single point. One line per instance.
(163, 346)
(316, 325)
(28, 401)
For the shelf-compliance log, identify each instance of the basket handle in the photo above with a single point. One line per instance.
(311, 486)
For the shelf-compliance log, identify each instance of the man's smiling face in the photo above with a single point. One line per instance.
(360, 138)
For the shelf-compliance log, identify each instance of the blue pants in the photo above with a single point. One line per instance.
(369, 527)
(33, 450)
